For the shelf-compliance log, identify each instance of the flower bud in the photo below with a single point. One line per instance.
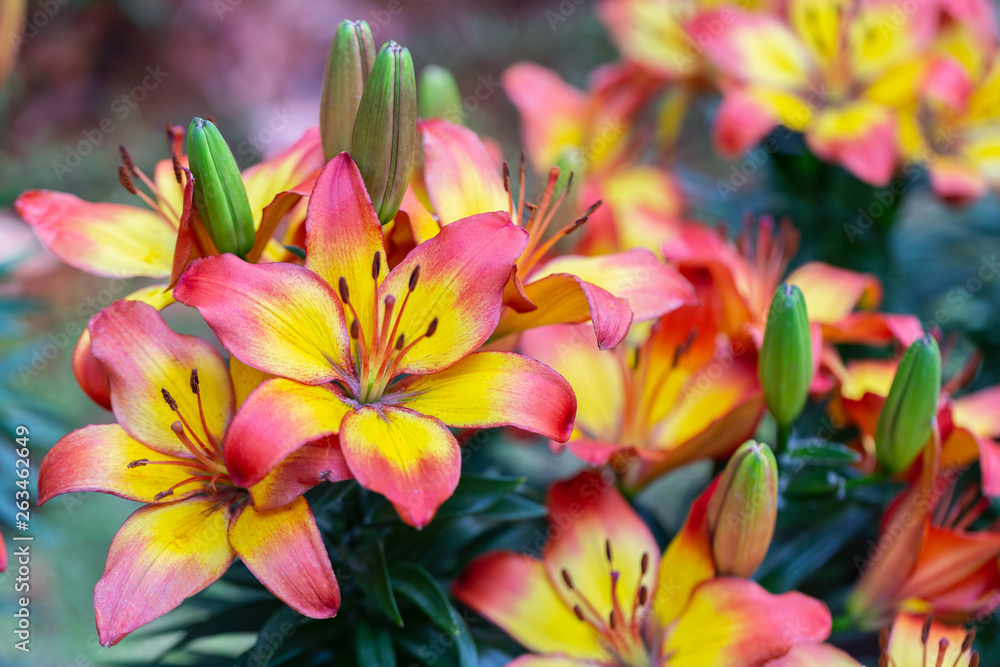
(385, 133)
(352, 53)
(786, 364)
(219, 193)
(907, 419)
(438, 95)
(743, 510)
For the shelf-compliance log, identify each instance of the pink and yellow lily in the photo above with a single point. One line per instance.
(601, 595)
(834, 70)
(678, 396)
(175, 399)
(384, 359)
(611, 291)
(160, 239)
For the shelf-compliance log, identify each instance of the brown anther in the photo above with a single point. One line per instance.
(432, 327)
(355, 329)
(925, 633)
(126, 181)
(506, 176)
(611, 619)
(194, 381)
(607, 549)
(967, 642)
(163, 494)
(975, 660)
(644, 565)
(376, 265)
(127, 160)
(593, 207)
(400, 342)
(578, 612)
(643, 595)
(177, 168)
(414, 276)
(345, 294)
(171, 403)
(567, 580)
(569, 182)
(137, 463)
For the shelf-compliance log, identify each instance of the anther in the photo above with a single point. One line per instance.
(925, 633)
(643, 595)
(127, 160)
(645, 563)
(506, 176)
(171, 403)
(126, 181)
(137, 463)
(975, 660)
(607, 549)
(376, 265)
(345, 294)
(194, 381)
(967, 642)
(355, 329)
(414, 276)
(431, 328)
(400, 342)
(578, 612)
(611, 619)
(177, 168)
(567, 580)
(163, 494)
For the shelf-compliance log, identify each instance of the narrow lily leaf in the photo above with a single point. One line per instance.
(379, 586)
(273, 633)
(416, 583)
(822, 453)
(374, 646)
(475, 494)
(514, 508)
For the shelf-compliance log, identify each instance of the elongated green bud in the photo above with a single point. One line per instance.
(438, 95)
(385, 133)
(907, 419)
(786, 364)
(743, 510)
(352, 54)
(219, 193)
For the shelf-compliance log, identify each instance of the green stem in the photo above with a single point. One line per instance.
(784, 432)
(842, 623)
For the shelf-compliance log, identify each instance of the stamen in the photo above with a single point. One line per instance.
(194, 383)
(644, 564)
(126, 181)
(643, 595)
(196, 390)
(127, 160)
(431, 328)
(578, 612)
(942, 650)
(376, 265)
(607, 549)
(355, 329)
(345, 294)
(176, 159)
(925, 634)
(611, 619)
(190, 480)
(137, 463)
(414, 276)
(400, 342)
(199, 452)
(535, 255)
(567, 580)
(975, 660)
(171, 403)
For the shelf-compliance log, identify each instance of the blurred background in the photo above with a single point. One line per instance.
(92, 75)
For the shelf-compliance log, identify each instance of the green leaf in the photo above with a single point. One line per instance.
(514, 508)
(296, 250)
(823, 453)
(379, 587)
(374, 646)
(467, 654)
(416, 583)
(272, 637)
(475, 494)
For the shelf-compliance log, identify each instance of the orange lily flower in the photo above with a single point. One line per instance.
(678, 396)
(612, 291)
(125, 241)
(828, 69)
(927, 559)
(912, 641)
(591, 133)
(403, 367)
(174, 399)
(602, 596)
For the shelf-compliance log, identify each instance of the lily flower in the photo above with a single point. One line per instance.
(601, 595)
(174, 399)
(678, 396)
(831, 71)
(382, 358)
(160, 239)
(912, 641)
(612, 291)
(928, 558)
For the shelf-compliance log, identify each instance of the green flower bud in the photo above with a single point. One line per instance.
(219, 193)
(352, 53)
(907, 419)
(743, 510)
(786, 364)
(385, 133)
(438, 95)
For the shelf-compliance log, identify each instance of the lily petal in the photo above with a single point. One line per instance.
(112, 240)
(736, 623)
(514, 592)
(98, 458)
(860, 136)
(551, 112)
(162, 555)
(343, 235)
(489, 389)
(412, 460)
(307, 466)
(143, 357)
(596, 520)
(461, 178)
(284, 550)
(817, 655)
(279, 318)
(276, 419)
(687, 561)
(906, 642)
(463, 271)
(832, 293)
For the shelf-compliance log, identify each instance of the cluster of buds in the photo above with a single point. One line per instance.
(743, 510)
(369, 109)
